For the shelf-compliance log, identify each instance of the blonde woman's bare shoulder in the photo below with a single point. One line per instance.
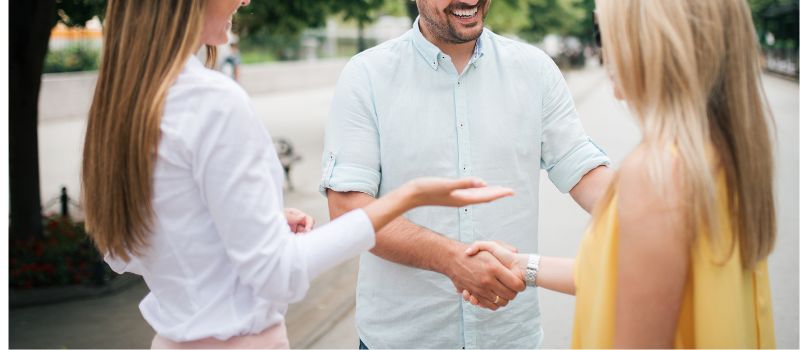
(648, 181)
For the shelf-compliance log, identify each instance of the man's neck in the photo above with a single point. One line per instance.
(459, 53)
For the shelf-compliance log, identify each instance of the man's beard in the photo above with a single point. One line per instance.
(448, 31)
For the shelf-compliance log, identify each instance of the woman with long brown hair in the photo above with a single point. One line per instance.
(676, 253)
(181, 185)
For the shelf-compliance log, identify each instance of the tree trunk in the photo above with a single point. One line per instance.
(361, 44)
(30, 25)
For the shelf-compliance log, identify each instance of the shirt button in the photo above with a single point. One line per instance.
(461, 125)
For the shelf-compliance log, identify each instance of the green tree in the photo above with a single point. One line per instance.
(583, 25)
(563, 17)
(281, 17)
(30, 25)
(509, 16)
(779, 17)
(363, 12)
(277, 25)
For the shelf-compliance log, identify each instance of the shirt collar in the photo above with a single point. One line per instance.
(432, 54)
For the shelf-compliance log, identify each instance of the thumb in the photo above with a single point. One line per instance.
(478, 246)
(512, 248)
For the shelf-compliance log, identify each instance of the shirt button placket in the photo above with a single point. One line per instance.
(465, 214)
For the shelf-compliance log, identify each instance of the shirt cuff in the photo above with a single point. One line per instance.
(581, 160)
(340, 240)
(345, 178)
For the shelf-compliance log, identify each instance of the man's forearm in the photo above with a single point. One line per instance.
(401, 241)
(406, 243)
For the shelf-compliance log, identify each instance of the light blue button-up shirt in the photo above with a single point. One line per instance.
(401, 111)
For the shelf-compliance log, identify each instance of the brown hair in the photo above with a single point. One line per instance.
(146, 44)
(689, 70)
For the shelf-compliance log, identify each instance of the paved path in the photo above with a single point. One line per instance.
(325, 319)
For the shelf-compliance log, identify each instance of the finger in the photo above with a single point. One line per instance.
(485, 296)
(512, 248)
(477, 246)
(308, 222)
(503, 255)
(501, 302)
(495, 288)
(466, 182)
(481, 195)
(510, 281)
(503, 292)
(313, 223)
(465, 294)
(488, 304)
(473, 300)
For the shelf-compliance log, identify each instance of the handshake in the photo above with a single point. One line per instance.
(488, 274)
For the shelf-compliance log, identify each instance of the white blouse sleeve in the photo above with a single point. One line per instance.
(232, 156)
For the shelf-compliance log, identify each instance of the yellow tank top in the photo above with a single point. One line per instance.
(724, 306)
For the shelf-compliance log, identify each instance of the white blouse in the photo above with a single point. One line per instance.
(221, 259)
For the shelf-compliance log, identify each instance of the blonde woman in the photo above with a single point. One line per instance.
(182, 186)
(676, 253)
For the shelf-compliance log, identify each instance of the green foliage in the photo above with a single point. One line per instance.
(360, 11)
(562, 17)
(74, 58)
(262, 47)
(396, 8)
(280, 18)
(779, 17)
(508, 16)
(75, 13)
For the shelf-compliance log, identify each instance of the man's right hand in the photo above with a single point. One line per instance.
(485, 277)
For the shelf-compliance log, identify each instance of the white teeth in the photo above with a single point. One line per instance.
(466, 13)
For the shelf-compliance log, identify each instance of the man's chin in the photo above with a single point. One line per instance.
(468, 32)
(472, 34)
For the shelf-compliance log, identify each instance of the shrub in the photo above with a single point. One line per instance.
(74, 58)
(63, 256)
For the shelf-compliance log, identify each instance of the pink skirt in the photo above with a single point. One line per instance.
(271, 338)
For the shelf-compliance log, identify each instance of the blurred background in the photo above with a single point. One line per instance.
(287, 55)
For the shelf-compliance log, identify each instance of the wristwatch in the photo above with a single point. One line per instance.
(532, 270)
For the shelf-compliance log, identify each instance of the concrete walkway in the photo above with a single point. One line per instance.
(326, 319)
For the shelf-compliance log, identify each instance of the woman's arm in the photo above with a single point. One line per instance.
(554, 273)
(431, 191)
(232, 164)
(653, 257)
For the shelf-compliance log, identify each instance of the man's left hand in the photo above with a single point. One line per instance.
(299, 222)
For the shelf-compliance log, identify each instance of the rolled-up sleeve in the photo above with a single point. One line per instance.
(567, 152)
(351, 158)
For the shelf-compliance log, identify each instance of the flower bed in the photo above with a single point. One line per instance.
(63, 256)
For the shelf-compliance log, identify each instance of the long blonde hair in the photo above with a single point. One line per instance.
(689, 71)
(146, 44)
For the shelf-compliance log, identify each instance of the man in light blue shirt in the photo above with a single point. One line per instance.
(450, 98)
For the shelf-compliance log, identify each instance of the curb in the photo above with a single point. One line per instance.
(43, 296)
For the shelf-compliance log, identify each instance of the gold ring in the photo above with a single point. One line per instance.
(496, 299)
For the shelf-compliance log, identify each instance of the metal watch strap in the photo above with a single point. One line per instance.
(532, 270)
